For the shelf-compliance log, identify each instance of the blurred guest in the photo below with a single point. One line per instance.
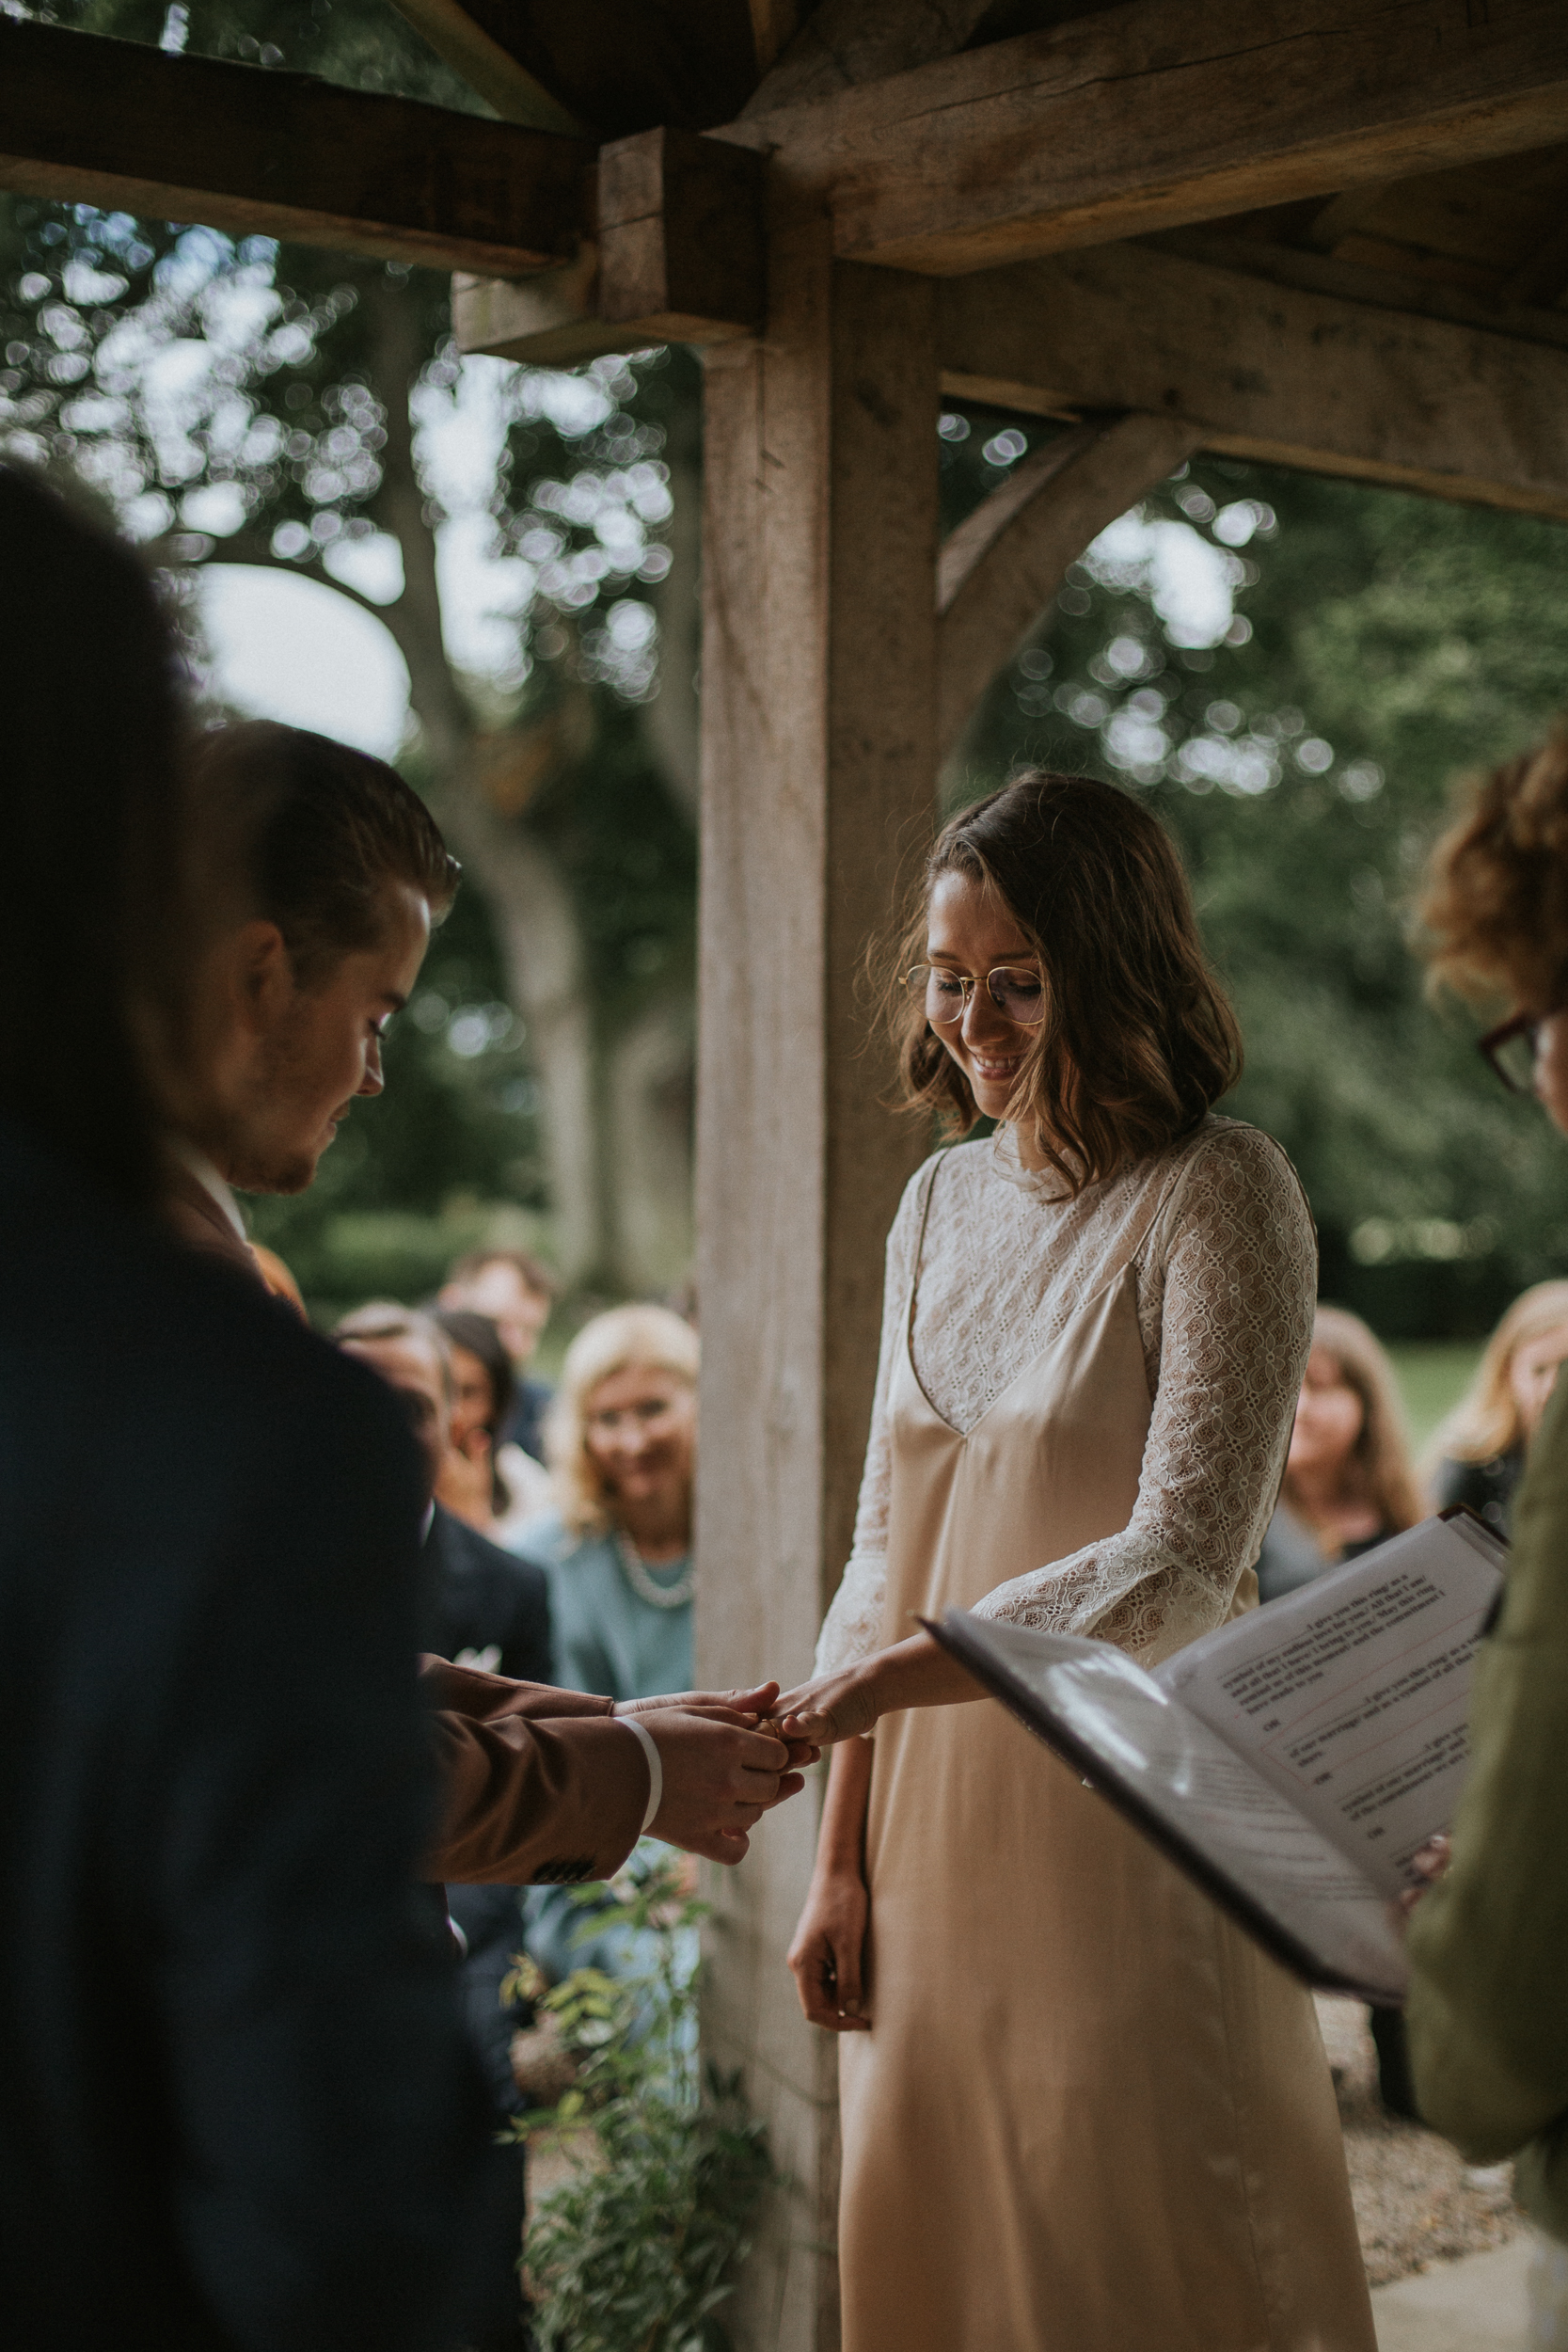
(622, 1437)
(517, 1291)
(1488, 2008)
(234, 2102)
(617, 1549)
(487, 1479)
(488, 1609)
(1482, 1446)
(1349, 1483)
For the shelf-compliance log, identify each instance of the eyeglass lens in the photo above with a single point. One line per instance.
(1015, 991)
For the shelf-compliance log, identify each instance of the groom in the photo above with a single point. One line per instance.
(323, 874)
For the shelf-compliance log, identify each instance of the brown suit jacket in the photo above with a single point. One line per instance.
(538, 1786)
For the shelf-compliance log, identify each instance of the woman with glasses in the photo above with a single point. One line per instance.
(1081, 2110)
(1487, 2015)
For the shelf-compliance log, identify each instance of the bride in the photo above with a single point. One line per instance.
(1082, 2112)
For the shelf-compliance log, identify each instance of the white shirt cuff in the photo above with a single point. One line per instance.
(656, 1769)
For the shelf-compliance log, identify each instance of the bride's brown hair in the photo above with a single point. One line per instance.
(1138, 1040)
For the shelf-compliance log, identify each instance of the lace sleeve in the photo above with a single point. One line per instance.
(1237, 1254)
(853, 1627)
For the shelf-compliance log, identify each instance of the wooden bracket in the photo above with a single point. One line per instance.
(1000, 569)
(679, 260)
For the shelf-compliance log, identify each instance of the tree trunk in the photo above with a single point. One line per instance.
(648, 1106)
(528, 900)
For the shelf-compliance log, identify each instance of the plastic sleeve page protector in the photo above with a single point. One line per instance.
(1350, 1696)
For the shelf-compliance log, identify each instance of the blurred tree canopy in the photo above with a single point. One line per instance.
(304, 412)
(1294, 671)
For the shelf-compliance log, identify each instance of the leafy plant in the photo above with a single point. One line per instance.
(638, 2249)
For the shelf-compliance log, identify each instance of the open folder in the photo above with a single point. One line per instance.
(1293, 1761)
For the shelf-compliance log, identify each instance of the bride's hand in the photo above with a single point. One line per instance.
(835, 1706)
(826, 1957)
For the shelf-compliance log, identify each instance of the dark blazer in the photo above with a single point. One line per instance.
(234, 2108)
(482, 1597)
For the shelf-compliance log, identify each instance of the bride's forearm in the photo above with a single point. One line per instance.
(919, 1672)
(841, 1840)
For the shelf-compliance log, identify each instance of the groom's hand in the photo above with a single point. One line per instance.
(721, 1773)
(750, 1708)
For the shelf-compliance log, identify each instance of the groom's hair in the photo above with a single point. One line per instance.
(307, 833)
(95, 941)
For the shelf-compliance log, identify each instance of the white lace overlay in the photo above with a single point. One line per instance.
(1226, 1265)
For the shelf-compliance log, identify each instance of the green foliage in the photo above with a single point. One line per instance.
(1382, 644)
(637, 2251)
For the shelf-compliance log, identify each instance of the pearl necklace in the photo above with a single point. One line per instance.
(635, 1570)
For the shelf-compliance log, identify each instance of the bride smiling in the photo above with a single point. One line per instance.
(1081, 2111)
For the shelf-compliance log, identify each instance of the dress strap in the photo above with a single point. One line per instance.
(926, 1191)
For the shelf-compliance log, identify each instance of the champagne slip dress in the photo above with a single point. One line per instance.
(1091, 2115)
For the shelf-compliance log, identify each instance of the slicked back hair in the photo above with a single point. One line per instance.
(1138, 1040)
(94, 942)
(311, 832)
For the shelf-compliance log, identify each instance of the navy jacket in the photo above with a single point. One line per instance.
(234, 2109)
(483, 1598)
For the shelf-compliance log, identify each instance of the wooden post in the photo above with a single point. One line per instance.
(818, 777)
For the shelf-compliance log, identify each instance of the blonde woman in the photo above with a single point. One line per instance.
(1483, 1444)
(1348, 1478)
(621, 1439)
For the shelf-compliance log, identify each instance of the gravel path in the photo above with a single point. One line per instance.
(1416, 2201)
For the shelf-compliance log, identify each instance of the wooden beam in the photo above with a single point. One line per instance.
(518, 95)
(1268, 372)
(622, 66)
(88, 120)
(818, 770)
(844, 43)
(1001, 567)
(1169, 111)
(679, 259)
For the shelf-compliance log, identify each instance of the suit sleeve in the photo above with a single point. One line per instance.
(538, 1786)
(326, 2121)
(1488, 2011)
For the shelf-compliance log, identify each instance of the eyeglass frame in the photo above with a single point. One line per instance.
(968, 982)
(1517, 1025)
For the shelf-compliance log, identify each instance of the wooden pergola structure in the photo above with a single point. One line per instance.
(1327, 233)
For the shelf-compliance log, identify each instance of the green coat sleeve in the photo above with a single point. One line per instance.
(1488, 2008)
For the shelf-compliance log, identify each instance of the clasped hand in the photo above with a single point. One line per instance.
(724, 1763)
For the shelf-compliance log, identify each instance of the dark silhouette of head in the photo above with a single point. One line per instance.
(92, 943)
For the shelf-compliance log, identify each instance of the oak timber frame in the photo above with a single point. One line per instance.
(1020, 224)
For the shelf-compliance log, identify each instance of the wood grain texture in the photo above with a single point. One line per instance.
(678, 259)
(1170, 111)
(1001, 567)
(1268, 372)
(680, 237)
(818, 762)
(84, 119)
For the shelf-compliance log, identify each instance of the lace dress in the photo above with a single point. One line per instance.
(1090, 2114)
(1224, 1259)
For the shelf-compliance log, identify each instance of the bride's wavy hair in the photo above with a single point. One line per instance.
(1138, 1040)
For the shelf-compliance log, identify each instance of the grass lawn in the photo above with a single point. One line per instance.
(1434, 1376)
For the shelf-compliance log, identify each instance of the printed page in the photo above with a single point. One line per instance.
(1352, 1693)
(1203, 1803)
